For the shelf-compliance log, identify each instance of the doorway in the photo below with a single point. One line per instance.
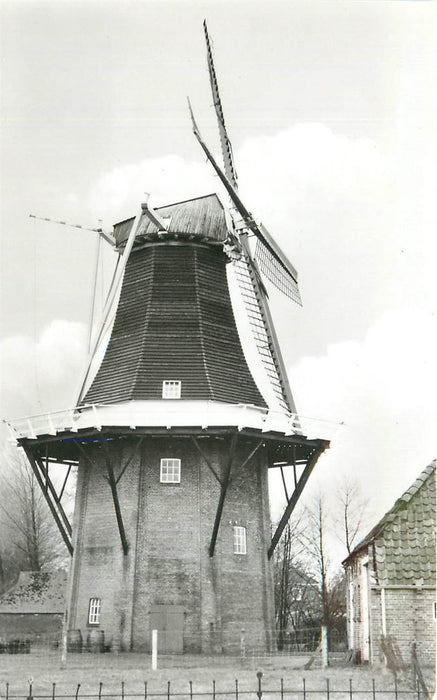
(169, 621)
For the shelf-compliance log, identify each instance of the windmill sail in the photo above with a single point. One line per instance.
(254, 310)
(273, 262)
(275, 272)
(254, 295)
(228, 158)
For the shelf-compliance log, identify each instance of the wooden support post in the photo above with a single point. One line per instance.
(223, 490)
(294, 498)
(129, 460)
(294, 466)
(64, 533)
(249, 456)
(285, 485)
(49, 487)
(202, 454)
(118, 515)
(65, 482)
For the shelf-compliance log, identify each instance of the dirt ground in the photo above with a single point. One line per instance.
(131, 674)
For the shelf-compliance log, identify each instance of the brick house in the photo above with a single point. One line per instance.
(391, 577)
(34, 606)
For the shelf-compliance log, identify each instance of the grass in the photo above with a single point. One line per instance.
(134, 670)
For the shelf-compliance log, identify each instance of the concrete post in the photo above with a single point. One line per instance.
(154, 650)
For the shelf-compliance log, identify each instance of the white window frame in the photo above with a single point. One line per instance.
(170, 470)
(171, 389)
(240, 540)
(94, 609)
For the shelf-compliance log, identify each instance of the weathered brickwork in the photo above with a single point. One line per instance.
(169, 529)
(409, 617)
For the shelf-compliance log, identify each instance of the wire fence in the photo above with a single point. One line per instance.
(284, 690)
(294, 642)
(38, 643)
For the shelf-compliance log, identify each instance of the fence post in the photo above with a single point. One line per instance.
(168, 690)
(100, 689)
(327, 689)
(64, 645)
(373, 689)
(350, 689)
(7, 691)
(213, 690)
(77, 690)
(30, 691)
(304, 689)
(324, 640)
(122, 690)
(236, 689)
(154, 650)
(145, 690)
(191, 690)
(259, 693)
(242, 644)
(282, 689)
(53, 691)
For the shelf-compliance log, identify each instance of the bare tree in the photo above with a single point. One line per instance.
(308, 593)
(29, 538)
(353, 512)
(297, 602)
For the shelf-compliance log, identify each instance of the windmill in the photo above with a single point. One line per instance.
(174, 433)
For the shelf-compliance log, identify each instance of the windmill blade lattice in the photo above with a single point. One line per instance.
(260, 331)
(274, 271)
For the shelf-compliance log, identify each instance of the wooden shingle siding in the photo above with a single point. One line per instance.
(202, 217)
(175, 321)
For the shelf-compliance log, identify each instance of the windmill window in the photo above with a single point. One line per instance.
(94, 611)
(239, 540)
(171, 389)
(170, 471)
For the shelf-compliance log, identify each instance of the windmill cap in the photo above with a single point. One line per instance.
(202, 218)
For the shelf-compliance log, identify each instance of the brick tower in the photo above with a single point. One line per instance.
(178, 422)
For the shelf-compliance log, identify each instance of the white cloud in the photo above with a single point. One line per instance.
(309, 159)
(117, 194)
(40, 375)
(384, 390)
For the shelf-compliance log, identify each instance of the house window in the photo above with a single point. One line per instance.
(171, 389)
(170, 471)
(94, 611)
(239, 539)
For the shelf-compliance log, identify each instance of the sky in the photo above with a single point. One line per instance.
(330, 107)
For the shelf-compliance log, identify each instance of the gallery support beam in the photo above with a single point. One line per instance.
(48, 486)
(47, 495)
(224, 488)
(295, 497)
(203, 454)
(112, 481)
(113, 486)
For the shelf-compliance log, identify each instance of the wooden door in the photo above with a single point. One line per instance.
(169, 621)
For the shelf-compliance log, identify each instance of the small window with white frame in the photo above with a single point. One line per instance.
(239, 540)
(170, 471)
(94, 611)
(171, 389)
